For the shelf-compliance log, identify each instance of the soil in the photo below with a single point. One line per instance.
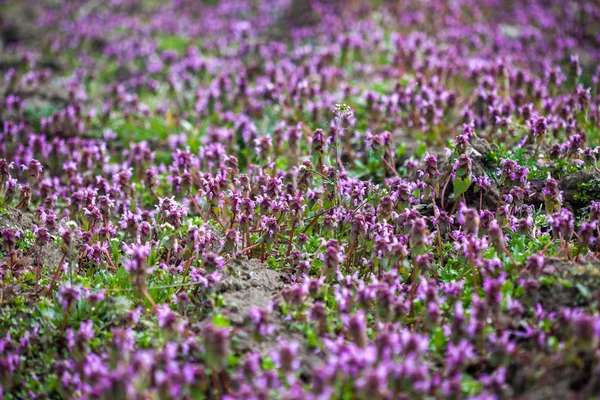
(561, 383)
(574, 195)
(49, 257)
(252, 284)
(586, 274)
(16, 219)
(563, 380)
(20, 27)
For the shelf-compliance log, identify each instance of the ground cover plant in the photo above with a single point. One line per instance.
(299, 199)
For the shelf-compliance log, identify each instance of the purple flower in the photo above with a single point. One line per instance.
(168, 319)
(68, 296)
(216, 343)
(286, 357)
(459, 355)
(357, 329)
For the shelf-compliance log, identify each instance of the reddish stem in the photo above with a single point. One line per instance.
(289, 249)
(390, 167)
(110, 260)
(56, 274)
(149, 298)
(500, 198)
(444, 192)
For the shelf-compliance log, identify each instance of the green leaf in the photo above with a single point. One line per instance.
(312, 340)
(583, 290)
(461, 185)
(421, 150)
(438, 338)
(470, 385)
(268, 364)
(220, 321)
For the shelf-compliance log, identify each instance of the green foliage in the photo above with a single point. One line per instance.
(26, 240)
(588, 191)
(461, 185)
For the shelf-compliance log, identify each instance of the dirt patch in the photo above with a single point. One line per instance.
(245, 274)
(560, 383)
(16, 219)
(18, 25)
(251, 284)
(580, 188)
(550, 377)
(578, 284)
(45, 95)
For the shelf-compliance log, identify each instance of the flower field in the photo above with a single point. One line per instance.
(299, 199)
